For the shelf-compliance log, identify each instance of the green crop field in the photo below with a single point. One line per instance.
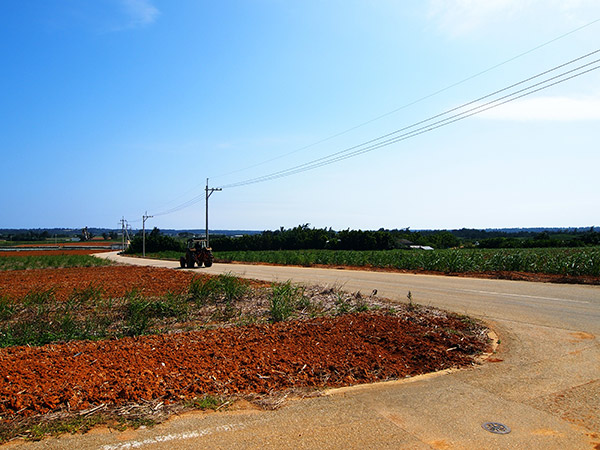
(573, 262)
(49, 261)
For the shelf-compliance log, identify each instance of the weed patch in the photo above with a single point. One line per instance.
(285, 298)
(90, 294)
(6, 308)
(138, 313)
(206, 402)
(222, 288)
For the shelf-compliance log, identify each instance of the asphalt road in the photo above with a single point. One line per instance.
(543, 383)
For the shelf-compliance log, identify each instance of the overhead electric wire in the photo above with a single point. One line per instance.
(414, 102)
(387, 139)
(431, 127)
(184, 194)
(195, 200)
(184, 205)
(378, 142)
(463, 115)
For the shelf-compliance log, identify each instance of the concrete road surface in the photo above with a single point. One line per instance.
(543, 382)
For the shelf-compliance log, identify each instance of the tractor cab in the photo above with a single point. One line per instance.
(195, 243)
(197, 252)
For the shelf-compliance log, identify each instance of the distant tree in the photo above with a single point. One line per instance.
(443, 239)
(155, 242)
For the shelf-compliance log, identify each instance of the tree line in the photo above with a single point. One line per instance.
(303, 237)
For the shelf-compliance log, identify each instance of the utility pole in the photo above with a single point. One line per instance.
(144, 217)
(209, 192)
(122, 233)
(128, 233)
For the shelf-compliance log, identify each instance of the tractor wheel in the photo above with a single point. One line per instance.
(182, 261)
(190, 262)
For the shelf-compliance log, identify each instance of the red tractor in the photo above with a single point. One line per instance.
(197, 253)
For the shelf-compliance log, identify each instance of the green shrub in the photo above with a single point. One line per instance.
(222, 288)
(230, 287)
(201, 290)
(284, 300)
(138, 314)
(171, 305)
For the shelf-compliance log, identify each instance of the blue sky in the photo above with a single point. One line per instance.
(111, 108)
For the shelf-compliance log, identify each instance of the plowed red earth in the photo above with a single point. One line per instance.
(70, 244)
(346, 350)
(115, 281)
(51, 252)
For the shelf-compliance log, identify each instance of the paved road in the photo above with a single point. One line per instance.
(544, 383)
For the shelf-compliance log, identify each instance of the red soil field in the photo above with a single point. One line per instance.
(258, 359)
(116, 281)
(70, 244)
(50, 252)
(228, 361)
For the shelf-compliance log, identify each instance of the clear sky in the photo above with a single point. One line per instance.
(111, 108)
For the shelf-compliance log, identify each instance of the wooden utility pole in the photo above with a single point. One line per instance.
(144, 217)
(209, 192)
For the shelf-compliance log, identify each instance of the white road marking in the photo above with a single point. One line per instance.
(393, 285)
(506, 294)
(171, 437)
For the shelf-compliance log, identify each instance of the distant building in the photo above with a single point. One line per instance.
(421, 247)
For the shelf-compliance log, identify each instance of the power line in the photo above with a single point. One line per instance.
(380, 142)
(395, 136)
(441, 123)
(184, 205)
(414, 102)
(414, 133)
(198, 198)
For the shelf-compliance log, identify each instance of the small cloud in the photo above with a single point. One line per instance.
(140, 12)
(463, 17)
(459, 17)
(562, 109)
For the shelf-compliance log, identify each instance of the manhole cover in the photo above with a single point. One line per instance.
(496, 427)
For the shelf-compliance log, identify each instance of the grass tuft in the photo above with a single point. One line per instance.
(285, 298)
(206, 402)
